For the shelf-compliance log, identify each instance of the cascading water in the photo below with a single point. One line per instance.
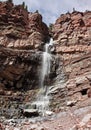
(45, 64)
(42, 103)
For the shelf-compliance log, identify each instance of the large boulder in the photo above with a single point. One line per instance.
(30, 112)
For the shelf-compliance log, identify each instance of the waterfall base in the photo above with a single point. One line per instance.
(42, 102)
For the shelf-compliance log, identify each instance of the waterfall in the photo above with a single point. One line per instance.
(42, 103)
(46, 59)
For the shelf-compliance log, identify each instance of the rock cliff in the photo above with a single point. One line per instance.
(72, 36)
(22, 38)
(73, 28)
(20, 29)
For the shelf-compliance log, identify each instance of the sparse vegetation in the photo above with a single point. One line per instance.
(74, 10)
(36, 11)
(24, 6)
(11, 1)
(50, 26)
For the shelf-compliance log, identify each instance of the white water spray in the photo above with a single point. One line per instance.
(46, 59)
(42, 102)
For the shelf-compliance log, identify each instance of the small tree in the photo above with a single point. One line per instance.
(26, 8)
(23, 4)
(50, 26)
(74, 10)
(11, 1)
(36, 11)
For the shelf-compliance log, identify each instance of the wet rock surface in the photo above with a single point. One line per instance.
(78, 119)
(21, 68)
(19, 79)
(22, 39)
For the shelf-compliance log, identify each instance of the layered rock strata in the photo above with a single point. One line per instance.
(22, 35)
(72, 35)
(20, 29)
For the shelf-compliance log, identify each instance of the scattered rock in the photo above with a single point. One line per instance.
(49, 113)
(30, 112)
(71, 103)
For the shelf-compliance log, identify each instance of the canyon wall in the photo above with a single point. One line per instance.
(72, 35)
(20, 29)
(22, 39)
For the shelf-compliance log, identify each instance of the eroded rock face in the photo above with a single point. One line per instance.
(20, 29)
(73, 29)
(72, 36)
(22, 35)
(20, 78)
(22, 68)
(18, 67)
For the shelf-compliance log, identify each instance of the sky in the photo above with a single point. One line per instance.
(52, 9)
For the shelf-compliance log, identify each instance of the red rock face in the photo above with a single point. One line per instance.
(13, 18)
(72, 35)
(21, 36)
(20, 68)
(20, 29)
(72, 29)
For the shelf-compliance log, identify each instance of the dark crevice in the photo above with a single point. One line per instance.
(84, 91)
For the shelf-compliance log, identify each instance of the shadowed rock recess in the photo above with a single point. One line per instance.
(22, 39)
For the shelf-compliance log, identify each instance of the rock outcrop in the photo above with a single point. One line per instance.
(20, 29)
(73, 29)
(72, 36)
(22, 36)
